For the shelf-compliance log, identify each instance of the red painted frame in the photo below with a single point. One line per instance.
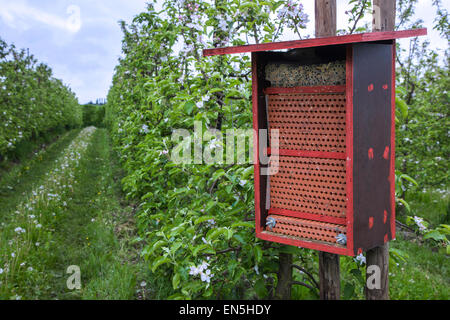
(256, 143)
(349, 146)
(392, 159)
(317, 42)
(308, 154)
(309, 216)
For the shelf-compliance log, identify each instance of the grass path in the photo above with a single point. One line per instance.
(20, 179)
(88, 231)
(74, 218)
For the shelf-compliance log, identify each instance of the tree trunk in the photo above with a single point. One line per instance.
(329, 272)
(283, 290)
(325, 14)
(383, 15)
(377, 283)
(383, 20)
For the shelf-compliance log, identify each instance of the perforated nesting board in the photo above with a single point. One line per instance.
(309, 185)
(312, 122)
(307, 229)
(292, 75)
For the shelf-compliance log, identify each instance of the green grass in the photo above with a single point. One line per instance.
(94, 230)
(424, 275)
(106, 266)
(19, 179)
(432, 205)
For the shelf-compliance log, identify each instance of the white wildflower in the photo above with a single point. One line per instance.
(361, 259)
(145, 129)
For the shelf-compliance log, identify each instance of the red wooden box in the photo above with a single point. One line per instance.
(333, 103)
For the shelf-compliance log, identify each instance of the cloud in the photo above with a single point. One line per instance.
(19, 15)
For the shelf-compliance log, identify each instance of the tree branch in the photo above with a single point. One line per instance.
(302, 284)
(307, 273)
(359, 16)
(223, 251)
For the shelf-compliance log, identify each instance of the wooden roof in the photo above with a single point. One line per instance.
(317, 42)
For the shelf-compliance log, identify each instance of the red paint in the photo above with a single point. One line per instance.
(360, 250)
(386, 153)
(317, 42)
(384, 216)
(386, 238)
(370, 87)
(392, 164)
(308, 154)
(316, 89)
(256, 143)
(309, 216)
(370, 153)
(370, 222)
(385, 87)
(349, 145)
(298, 242)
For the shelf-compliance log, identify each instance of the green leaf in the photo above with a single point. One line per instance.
(202, 247)
(402, 106)
(258, 253)
(260, 289)
(406, 177)
(176, 281)
(175, 247)
(243, 224)
(435, 235)
(158, 262)
(188, 107)
(290, 249)
(202, 219)
(358, 275)
(239, 238)
(349, 291)
(406, 204)
(398, 255)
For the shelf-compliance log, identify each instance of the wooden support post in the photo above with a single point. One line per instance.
(283, 290)
(378, 256)
(329, 275)
(383, 20)
(325, 15)
(329, 272)
(383, 15)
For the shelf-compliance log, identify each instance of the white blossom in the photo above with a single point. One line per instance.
(361, 259)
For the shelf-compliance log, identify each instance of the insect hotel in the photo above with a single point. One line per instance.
(331, 102)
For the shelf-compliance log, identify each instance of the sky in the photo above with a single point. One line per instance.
(81, 39)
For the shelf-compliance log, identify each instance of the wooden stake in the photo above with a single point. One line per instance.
(283, 290)
(329, 272)
(383, 15)
(325, 14)
(329, 275)
(378, 256)
(383, 20)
